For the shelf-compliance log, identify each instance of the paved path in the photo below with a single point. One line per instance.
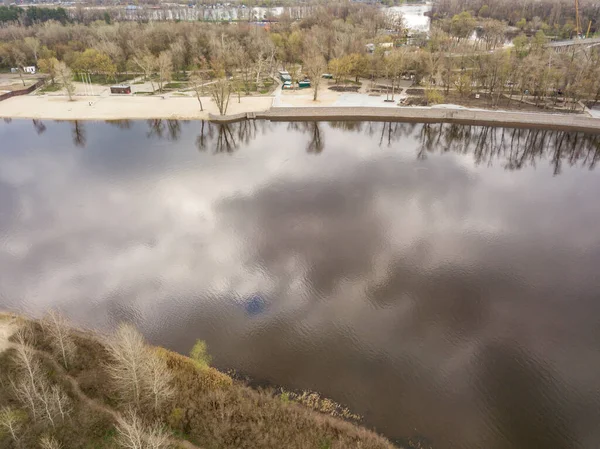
(448, 114)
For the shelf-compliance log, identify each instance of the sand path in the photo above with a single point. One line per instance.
(8, 327)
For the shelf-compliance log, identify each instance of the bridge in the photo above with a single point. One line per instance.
(585, 43)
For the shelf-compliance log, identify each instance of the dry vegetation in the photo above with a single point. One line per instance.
(61, 388)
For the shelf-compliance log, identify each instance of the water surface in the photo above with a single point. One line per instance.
(439, 280)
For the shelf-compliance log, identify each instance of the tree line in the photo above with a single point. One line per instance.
(32, 15)
(463, 57)
(556, 17)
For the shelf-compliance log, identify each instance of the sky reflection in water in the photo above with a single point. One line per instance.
(441, 280)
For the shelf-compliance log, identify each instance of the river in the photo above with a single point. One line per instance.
(439, 280)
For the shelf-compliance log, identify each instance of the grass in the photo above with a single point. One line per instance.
(180, 76)
(143, 93)
(175, 85)
(208, 407)
(119, 78)
(50, 88)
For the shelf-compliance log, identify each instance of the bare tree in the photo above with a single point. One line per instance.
(61, 402)
(130, 431)
(33, 44)
(44, 396)
(12, 421)
(159, 379)
(133, 434)
(127, 370)
(18, 58)
(139, 373)
(49, 442)
(197, 84)
(314, 66)
(65, 76)
(58, 331)
(164, 65)
(26, 388)
(221, 92)
(147, 64)
(33, 390)
(243, 61)
(26, 395)
(157, 437)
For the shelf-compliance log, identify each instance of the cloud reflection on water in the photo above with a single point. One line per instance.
(403, 267)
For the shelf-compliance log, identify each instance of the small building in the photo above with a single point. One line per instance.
(29, 69)
(284, 76)
(304, 84)
(120, 89)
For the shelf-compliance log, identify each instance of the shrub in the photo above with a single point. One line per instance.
(199, 354)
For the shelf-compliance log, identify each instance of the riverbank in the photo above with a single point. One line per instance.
(198, 406)
(269, 108)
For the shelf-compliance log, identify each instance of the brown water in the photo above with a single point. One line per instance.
(441, 281)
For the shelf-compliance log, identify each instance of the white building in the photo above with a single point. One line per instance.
(29, 69)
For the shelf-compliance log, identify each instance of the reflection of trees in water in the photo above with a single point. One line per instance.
(39, 126)
(121, 124)
(79, 134)
(518, 147)
(317, 140)
(206, 134)
(226, 137)
(316, 143)
(160, 128)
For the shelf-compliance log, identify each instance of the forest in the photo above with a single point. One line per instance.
(467, 55)
(552, 16)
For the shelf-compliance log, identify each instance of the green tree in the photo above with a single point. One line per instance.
(199, 354)
(521, 45)
(92, 61)
(484, 11)
(462, 25)
(64, 74)
(49, 66)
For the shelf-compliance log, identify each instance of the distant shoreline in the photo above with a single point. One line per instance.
(144, 108)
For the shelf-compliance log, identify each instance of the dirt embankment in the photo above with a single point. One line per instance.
(7, 327)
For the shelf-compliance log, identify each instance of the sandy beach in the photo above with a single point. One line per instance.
(116, 107)
(100, 104)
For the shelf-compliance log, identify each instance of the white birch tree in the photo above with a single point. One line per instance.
(58, 331)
